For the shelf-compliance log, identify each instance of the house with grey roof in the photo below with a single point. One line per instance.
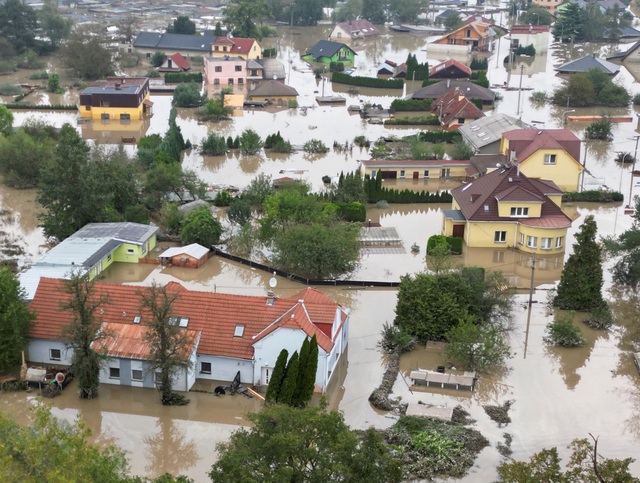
(89, 251)
(484, 134)
(468, 89)
(353, 29)
(327, 51)
(587, 63)
(150, 42)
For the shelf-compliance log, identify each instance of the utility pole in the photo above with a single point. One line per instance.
(520, 91)
(633, 168)
(526, 334)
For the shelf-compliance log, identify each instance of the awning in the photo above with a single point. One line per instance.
(148, 103)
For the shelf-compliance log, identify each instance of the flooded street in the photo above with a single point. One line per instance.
(559, 394)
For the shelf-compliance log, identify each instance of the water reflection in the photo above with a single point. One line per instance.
(169, 448)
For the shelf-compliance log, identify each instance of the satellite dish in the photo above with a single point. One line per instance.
(273, 282)
(59, 377)
(275, 77)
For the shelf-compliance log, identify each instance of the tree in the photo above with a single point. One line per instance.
(218, 32)
(350, 188)
(169, 344)
(585, 464)
(199, 226)
(275, 382)
(83, 331)
(407, 10)
(6, 121)
(53, 84)
(18, 24)
(374, 11)
(581, 281)
(188, 95)
(240, 17)
(80, 199)
(213, 110)
(239, 211)
(15, 320)
(461, 150)
(439, 256)
(86, 56)
(452, 22)
(214, 145)
(569, 24)
(182, 25)
(290, 380)
(600, 130)
(54, 26)
(258, 190)
(626, 271)
(307, 383)
(289, 444)
(54, 450)
(307, 12)
(158, 58)
(563, 332)
(536, 16)
(250, 142)
(476, 347)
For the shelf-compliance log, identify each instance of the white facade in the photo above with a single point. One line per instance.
(540, 40)
(51, 352)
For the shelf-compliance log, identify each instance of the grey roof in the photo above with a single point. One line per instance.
(273, 68)
(253, 64)
(194, 250)
(587, 63)
(136, 233)
(469, 89)
(455, 215)
(81, 252)
(621, 32)
(625, 53)
(609, 4)
(446, 14)
(326, 48)
(489, 129)
(152, 40)
(273, 88)
(30, 278)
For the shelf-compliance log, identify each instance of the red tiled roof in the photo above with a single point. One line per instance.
(449, 66)
(179, 60)
(454, 105)
(526, 142)
(510, 185)
(239, 45)
(529, 29)
(215, 315)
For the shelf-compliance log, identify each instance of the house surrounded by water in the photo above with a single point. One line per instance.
(117, 98)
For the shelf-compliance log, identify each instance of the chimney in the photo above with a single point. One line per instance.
(271, 297)
(530, 28)
(517, 168)
(448, 83)
(118, 86)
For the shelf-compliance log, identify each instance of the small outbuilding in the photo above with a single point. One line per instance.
(587, 63)
(190, 256)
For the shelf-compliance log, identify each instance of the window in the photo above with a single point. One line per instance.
(241, 81)
(426, 173)
(500, 237)
(373, 174)
(88, 108)
(184, 321)
(230, 82)
(461, 120)
(130, 251)
(104, 103)
(218, 68)
(545, 243)
(54, 354)
(238, 68)
(549, 159)
(254, 72)
(224, 48)
(521, 238)
(498, 256)
(216, 82)
(559, 242)
(446, 172)
(239, 331)
(114, 373)
(532, 241)
(216, 48)
(137, 319)
(125, 117)
(519, 211)
(136, 375)
(205, 367)
(104, 116)
(402, 173)
(486, 207)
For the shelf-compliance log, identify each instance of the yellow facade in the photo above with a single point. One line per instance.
(255, 52)
(519, 208)
(115, 113)
(556, 165)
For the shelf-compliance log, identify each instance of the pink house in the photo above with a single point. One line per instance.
(225, 71)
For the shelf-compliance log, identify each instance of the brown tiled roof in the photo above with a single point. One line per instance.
(272, 88)
(449, 67)
(454, 105)
(507, 184)
(215, 315)
(526, 142)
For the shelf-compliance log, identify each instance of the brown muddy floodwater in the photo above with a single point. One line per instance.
(559, 394)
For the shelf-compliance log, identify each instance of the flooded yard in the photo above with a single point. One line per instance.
(558, 394)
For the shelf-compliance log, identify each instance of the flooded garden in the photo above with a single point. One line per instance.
(557, 394)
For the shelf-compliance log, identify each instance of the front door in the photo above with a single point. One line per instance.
(458, 231)
(266, 376)
(416, 174)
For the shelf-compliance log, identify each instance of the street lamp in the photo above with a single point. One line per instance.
(564, 116)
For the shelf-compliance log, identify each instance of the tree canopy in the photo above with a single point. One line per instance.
(242, 17)
(310, 444)
(18, 24)
(200, 226)
(593, 88)
(6, 121)
(182, 25)
(15, 320)
(626, 271)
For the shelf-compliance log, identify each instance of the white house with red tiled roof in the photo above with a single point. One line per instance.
(229, 333)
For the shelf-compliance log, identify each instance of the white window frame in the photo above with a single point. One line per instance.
(550, 159)
(239, 330)
(425, 174)
(559, 241)
(532, 241)
(111, 376)
(500, 236)
(521, 241)
(52, 357)
(546, 243)
(136, 379)
(202, 370)
(519, 212)
(402, 173)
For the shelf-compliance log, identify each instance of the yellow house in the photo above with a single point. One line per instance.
(507, 209)
(415, 169)
(236, 47)
(117, 98)
(551, 154)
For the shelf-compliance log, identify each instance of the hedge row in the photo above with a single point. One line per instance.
(178, 77)
(376, 192)
(438, 137)
(42, 107)
(454, 242)
(354, 80)
(599, 196)
(412, 104)
(413, 121)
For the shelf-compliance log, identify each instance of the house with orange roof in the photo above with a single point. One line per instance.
(507, 209)
(450, 69)
(552, 154)
(477, 35)
(454, 109)
(175, 63)
(236, 47)
(227, 333)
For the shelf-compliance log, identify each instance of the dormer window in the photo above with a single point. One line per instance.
(520, 211)
(239, 331)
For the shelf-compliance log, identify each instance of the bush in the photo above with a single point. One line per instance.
(7, 66)
(361, 141)
(30, 60)
(479, 64)
(375, 193)
(431, 120)
(394, 339)
(461, 150)
(223, 198)
(214, 145)
(599, 318)
(354, 80)
(354, 211)
(600, 130)
(277, 144)
(448, 137)
(636, 100)
(199, 226)
(599, 196)
(214, 110)
(529, 50)
(292, 103)
(563, 332)
(454, 243)
(538, 97)
(153, 74)
(269, 53)
(315, 146)
(336, 67)
(41, 75)
(157, 59)
(480, 78)
(179, 77)
(412, 104)
(326, 179)
(188, 95)
(8, 89)
(250, 142)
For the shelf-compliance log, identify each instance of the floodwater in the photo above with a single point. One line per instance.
(559, 394)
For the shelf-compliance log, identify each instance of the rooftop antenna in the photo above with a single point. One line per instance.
(271, 296)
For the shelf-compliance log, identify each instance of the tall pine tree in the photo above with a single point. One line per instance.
(309, 384)
(303, 360)
(273, 390)
(290, 381)
(580, 285)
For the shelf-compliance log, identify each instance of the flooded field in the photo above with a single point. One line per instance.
(559, 394)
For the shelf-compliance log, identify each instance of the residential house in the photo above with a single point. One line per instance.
(175, 63)
(273, 91)
(630, 58)
(149, 43)
(477, 35)
(91, 250)
(587, 63)
(536, 35)
(454, 109)
(549, 5)
(621, 34)
(225, 71)
(326, 51)
(390, 68)
(272, 69)
(227, 333)
(353, 29)
(469, 89)
(505, 208)
(117, 98)
(552, 154)
(441, 17)
(245, 48)
(189, 256)
(450, 69)
(484, 135)
(415, 169)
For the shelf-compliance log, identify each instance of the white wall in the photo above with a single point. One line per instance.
(225, 368)
(39, 351)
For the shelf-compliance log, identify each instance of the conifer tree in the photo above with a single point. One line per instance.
(580, 285)
(303, 360)
(277, 376)
(309, 384)
(290, 381)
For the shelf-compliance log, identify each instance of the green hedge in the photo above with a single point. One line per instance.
(178, 77)
(454, 242)
(354, 80)
(353, 211)
(479, 64)
(43, 107)
(336, 66)
(599, 196)
(437, 137)
(411, 104)
(376, 192)
(413, 121)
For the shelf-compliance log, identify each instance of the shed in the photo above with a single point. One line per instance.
(189, 256)
(587, 63)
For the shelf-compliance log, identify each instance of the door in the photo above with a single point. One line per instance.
(266, 375)
(416, 174)
(458, 231)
